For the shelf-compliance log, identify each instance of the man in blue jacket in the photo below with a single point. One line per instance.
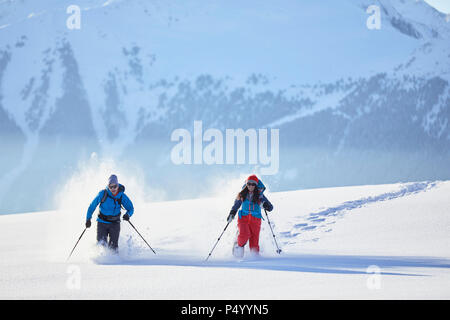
(111, 201)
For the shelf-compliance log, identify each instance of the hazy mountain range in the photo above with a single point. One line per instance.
(353, 105)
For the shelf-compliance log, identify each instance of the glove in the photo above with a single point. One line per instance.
(231, 216)
(267, 206)
(88, 223)
(126, 217)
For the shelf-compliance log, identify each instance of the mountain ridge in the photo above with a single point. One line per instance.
(99, 90)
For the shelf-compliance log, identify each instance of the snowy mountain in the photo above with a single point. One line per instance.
(360, 242)
(353, 105)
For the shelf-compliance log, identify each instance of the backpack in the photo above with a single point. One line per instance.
(106, 195)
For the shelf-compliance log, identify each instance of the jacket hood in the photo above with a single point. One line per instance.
(261, 187)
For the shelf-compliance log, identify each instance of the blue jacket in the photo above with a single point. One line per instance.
(250, 207)
(110, 207)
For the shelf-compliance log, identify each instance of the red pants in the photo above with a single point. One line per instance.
(249, 228)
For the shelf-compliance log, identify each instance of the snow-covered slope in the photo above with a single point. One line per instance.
(339, 92)
(363, 242)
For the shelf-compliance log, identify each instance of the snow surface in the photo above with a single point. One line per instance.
(333, 239)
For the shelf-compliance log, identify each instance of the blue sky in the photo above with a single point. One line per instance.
(441, 5)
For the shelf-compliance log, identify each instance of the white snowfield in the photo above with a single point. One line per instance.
(361, 242)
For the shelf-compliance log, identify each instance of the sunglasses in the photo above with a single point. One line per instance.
(251, 184)
(113, 186)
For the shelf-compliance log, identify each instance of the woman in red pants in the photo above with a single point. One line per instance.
(250, 200)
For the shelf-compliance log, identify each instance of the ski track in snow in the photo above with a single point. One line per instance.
(327, 217)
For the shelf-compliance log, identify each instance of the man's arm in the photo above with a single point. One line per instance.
(93, 206)
(128, 205)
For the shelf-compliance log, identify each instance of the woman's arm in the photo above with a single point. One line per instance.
(237, 204)
(266, 203)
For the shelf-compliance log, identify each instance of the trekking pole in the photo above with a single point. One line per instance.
(141, 236)
(268, 221)
(76, 244)
(217, 241)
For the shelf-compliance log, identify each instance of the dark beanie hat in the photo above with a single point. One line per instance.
(113, 180)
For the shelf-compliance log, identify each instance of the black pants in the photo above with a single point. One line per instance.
(108, 229)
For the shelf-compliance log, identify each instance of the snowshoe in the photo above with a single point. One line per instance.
(238, 251)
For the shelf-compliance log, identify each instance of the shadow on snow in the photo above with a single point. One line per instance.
(337, 264)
